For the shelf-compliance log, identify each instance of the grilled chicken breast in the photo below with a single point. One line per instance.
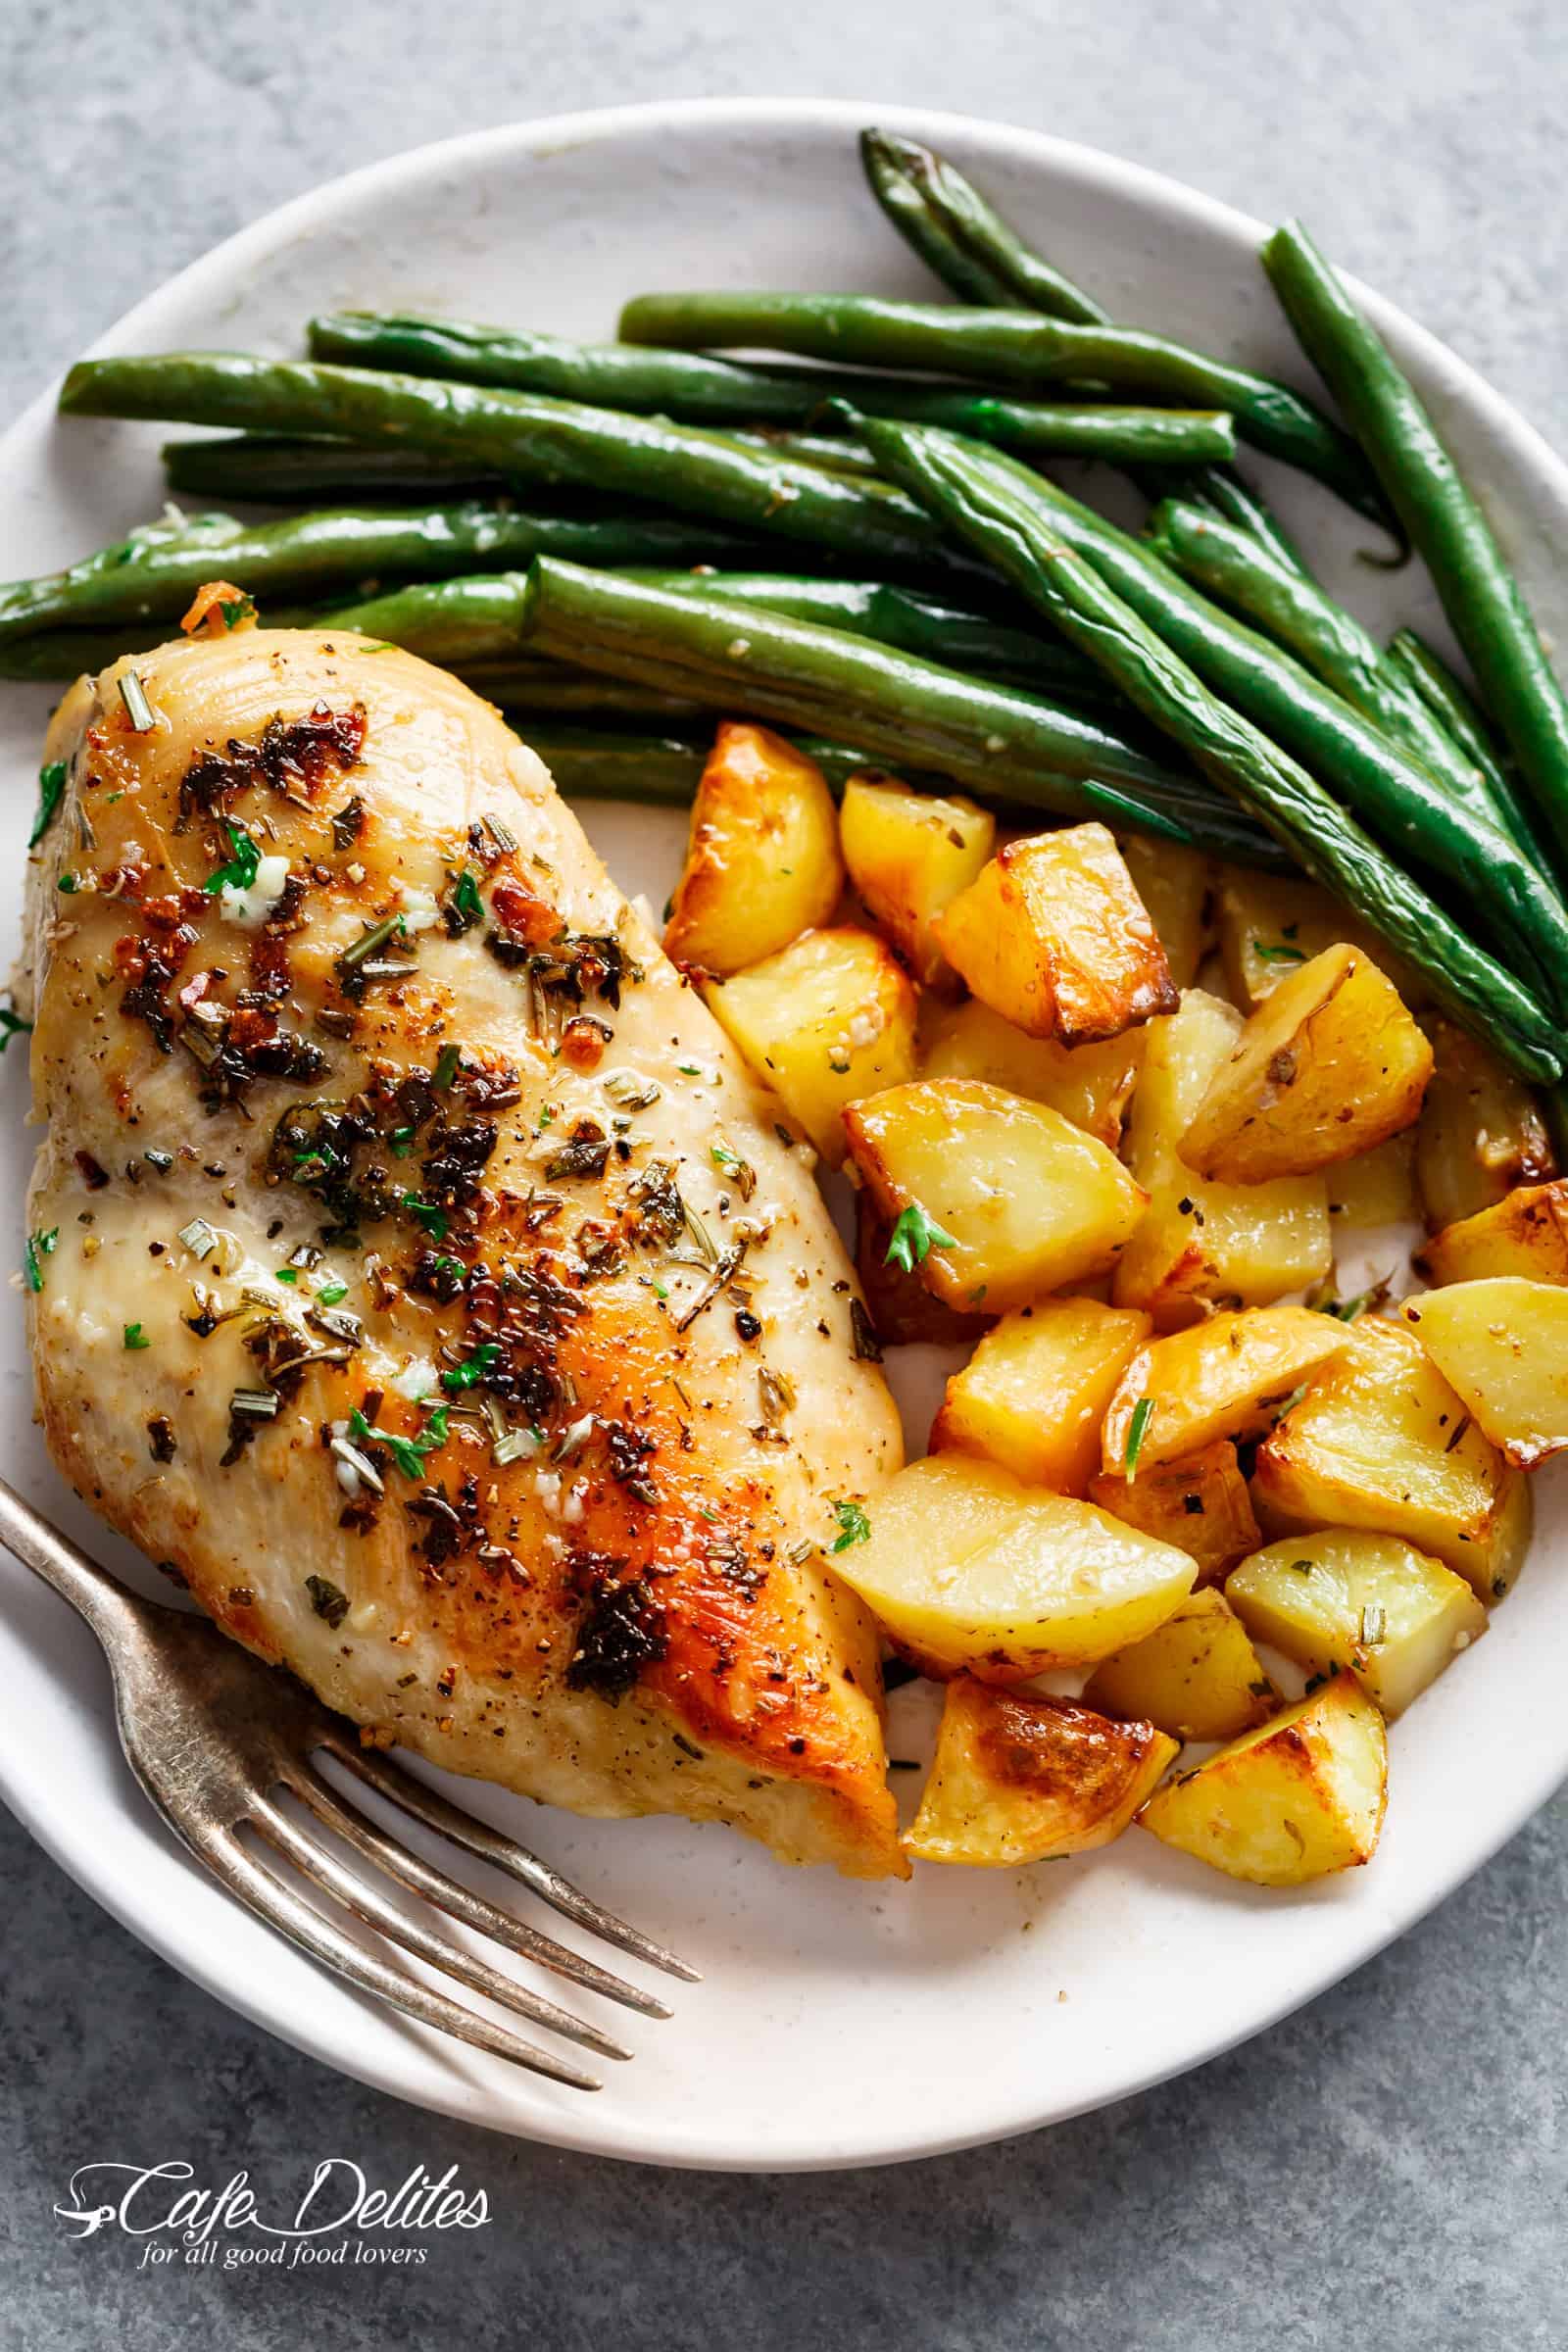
(415, 1268)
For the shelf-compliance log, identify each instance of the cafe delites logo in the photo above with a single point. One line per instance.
(342, 2219)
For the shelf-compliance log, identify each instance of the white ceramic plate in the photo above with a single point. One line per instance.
(837, 2024)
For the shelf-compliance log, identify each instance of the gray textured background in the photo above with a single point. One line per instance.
(1392, 2163)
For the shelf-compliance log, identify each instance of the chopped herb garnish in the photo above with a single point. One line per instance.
(740, 1172)
(232, 610)
(914, 1237)
(12, 1025)
(427, 1213)
(326, 1599)
(853, 1525)
(38, 1246)
(1143, 1411)
(463, 906)
(51, 791)
(68, 884)
(289, 1274)
(408, 1453)
(688, 1069)
(331, 1293)
(1268, 952)
(199, 1237)
(240, 871)
(473, 1369)
(138, 710)
(135, 1337)
(446, 1068)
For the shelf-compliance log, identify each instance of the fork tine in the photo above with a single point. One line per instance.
(504, 1853)
(262, 1892)
(358, 1896)
(448, 1895)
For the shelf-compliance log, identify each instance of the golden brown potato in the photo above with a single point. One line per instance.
(1301, 1796)
(1372, 1605)
(903, 1311)
(1197, 1675)
(1330, 1065)
(1381, 1440)
(1502, 1343)
(909, 854)
(1034, 1392)
(1091, 1085)
(1198, 1502)
(828, 1019)
(1526, 1233)
(1020, 1199)
(970, 1571)
(1268, 926)
(1019, 1779)
(1054, 937)
(1376, 1188)
(1225, 1378)
(1174, 885)
(1481, 1129)
(1202, 1244)
(762, 855)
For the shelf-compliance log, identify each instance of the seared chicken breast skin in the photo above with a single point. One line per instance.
(417, 1272)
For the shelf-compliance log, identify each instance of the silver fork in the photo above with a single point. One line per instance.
(213, 1736)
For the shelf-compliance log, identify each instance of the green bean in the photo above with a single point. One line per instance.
(549, 691)
(1456, 710)
(663, 770)
(1480, 595)
(1238, 571)
(1392, 794)
(294, 470)
(1012, 348)
(153, 574)
(697, 389)
(994, 739)
(995, 505)
(962, 238)
(558, 443)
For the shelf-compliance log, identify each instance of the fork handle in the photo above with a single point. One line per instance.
(109, 1609)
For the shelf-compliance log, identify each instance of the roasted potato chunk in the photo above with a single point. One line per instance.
(1267, 926)
(1381, 1440)
(1019, 1779)
(1091, 1085)
(1481, 1131)
(903, 1311)
(1343, 1598)
(1525, 1234)
(970, 1571)
(1298, 1797)
(1376, 1188)
(1197, 1675)
(1502, 1343)
(1198, 1502)
(1225, 1378)
(1330, 1065)
(909, 854)
(1054, 937)
(1174, 885)
(763, 857)
(1033, 1395)
(1204, 1244)
(1023, 1202)
(827, 1019)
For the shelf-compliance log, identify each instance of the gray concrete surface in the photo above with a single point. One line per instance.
(1388, 2167)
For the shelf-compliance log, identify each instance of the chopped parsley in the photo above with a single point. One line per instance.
(408, 1453)
(331, 1293)
(38, 1246)
(429, 1214)
(1143, 1411)
(853, 1525)
(290, 1274)
(914, 1237)
(1270, 952)
(51, 791)
(446, 1068)
(135, 1337)
(244, 858)
(473, 1369)
(12, 1025)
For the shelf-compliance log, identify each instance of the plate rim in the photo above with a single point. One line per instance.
(574, 2130)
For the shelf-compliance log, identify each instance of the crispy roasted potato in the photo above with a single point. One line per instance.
(1346, 1598)
(1381, 1440)
(1225, 1378)
(1091, 1085)
(1197, 1675)
(909, 854)
(1376, 1188)
(1198, 1502)
(1526, 1233)
(1268, 926)
(1019, 1779)
(1174, 885)
(1054, 937)
(971, 1571)
(763, 857)
(1204, 1243)
(1300, 1797)
(1026, 1200)
(1502, 1343)
(903, 1311)
(1034, 1392)
(1330, 1065)
(829, 1019)
(1481, 1129)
